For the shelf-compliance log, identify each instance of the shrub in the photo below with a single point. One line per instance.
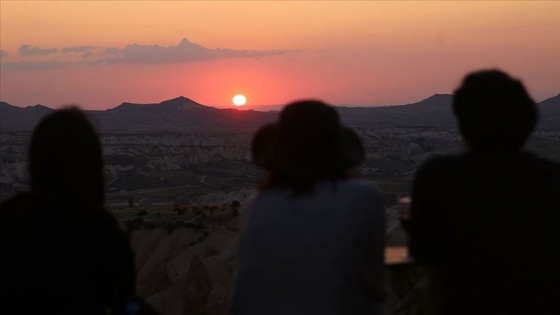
(235, 204)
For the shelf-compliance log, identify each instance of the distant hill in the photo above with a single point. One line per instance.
(550, 112)
(13, 118)
(175, 115)
(182, 115)
(432, 111)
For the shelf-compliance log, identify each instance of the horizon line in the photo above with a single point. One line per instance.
(249, 107)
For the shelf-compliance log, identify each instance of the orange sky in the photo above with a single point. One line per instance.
(361, 53)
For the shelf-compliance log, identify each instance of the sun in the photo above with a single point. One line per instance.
(239, 100)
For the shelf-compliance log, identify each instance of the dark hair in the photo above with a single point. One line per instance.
(494, 110)
(66, 161)
(262, 142)
(308, 147)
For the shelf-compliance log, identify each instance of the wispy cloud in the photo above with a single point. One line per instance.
(77, 49)
(37, 65)
(28, 50)
(112, 51)
(185, 51)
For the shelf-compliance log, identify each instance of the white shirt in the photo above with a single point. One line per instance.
(314, 254)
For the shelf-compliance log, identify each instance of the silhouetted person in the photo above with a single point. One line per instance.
(487, 220)
(312, 240)
(62, 253)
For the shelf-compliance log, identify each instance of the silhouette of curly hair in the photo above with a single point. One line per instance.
(494, 110)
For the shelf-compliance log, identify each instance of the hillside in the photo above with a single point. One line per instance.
(183, 115)
(175, 115)
(172, 116)
(550, 112)
(432, 111)
(13, 118)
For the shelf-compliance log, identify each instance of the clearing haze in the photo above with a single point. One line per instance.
(100, 54)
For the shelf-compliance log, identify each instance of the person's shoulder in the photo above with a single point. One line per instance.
(544, 168)
(359, 185)
(105, 218)
(363, 198)
(266, 195)
(21, 199)
(442, 163)
(20, 205)
(546, 164)
(13, 210)
(360, 190)
(97, 223)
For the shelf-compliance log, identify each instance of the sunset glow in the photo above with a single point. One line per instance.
(349, 53)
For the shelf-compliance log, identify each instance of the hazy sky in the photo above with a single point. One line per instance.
(101, 53)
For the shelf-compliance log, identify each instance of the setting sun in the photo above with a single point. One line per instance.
(239, 100)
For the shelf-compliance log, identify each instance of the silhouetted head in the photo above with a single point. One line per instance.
(262, 144)
(66, 160)
(307, 144)
(494, 110)
(266, 136)
(352, 143)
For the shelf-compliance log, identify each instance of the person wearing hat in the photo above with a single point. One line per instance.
(312, 239)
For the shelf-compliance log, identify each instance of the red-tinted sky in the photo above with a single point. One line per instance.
(100, 54)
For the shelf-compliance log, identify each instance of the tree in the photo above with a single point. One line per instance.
(235, 207)
(235, 204)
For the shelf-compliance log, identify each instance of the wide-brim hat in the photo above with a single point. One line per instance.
(307, 141)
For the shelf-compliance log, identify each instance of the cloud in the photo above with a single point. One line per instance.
(77, 49)
(185, 51)
(28, 50)
(36, 65)
(112, 51)
(3, 54)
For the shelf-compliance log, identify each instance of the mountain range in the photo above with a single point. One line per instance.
(182, 114)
